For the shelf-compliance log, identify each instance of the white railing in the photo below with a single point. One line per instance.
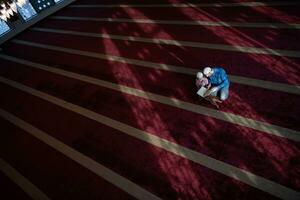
(21, 25)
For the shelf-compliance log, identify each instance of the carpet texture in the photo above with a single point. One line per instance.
(162, 173)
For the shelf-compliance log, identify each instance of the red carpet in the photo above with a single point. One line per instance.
(266, 67)
(8, 188)
(226, 14)
(243, 98)
(213, 34)
(164, 174)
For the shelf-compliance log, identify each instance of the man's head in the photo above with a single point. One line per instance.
(207, 71)
(199, 75)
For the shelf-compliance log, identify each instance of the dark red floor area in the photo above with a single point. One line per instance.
(153, 168)
(9, 188)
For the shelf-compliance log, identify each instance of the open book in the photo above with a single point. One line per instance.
(202, 91)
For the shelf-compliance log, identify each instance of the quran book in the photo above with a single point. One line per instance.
(201, 91)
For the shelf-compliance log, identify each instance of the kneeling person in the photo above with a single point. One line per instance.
(219, 83)
(201, 81)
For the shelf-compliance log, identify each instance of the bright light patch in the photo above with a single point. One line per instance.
(4, 28)
(26, 11)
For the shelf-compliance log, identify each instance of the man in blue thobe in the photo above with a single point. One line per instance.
(219, 83)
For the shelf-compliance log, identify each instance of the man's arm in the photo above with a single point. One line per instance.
(209, 91)
(225, 80)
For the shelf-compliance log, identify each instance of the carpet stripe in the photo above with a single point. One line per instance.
(242, 36)
(181, 5)
(265, 155)
(185, 22)
(228, 117)
(244, 100)
(21, 181)
(294, 89)
(105, 173)
(56, 174)
(221, 167)
(9, 188)
(284, 14)
(168, 175)
(252, 50)
(258, 66)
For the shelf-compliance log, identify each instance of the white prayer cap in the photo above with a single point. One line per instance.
(199, 75)
(207, 71)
